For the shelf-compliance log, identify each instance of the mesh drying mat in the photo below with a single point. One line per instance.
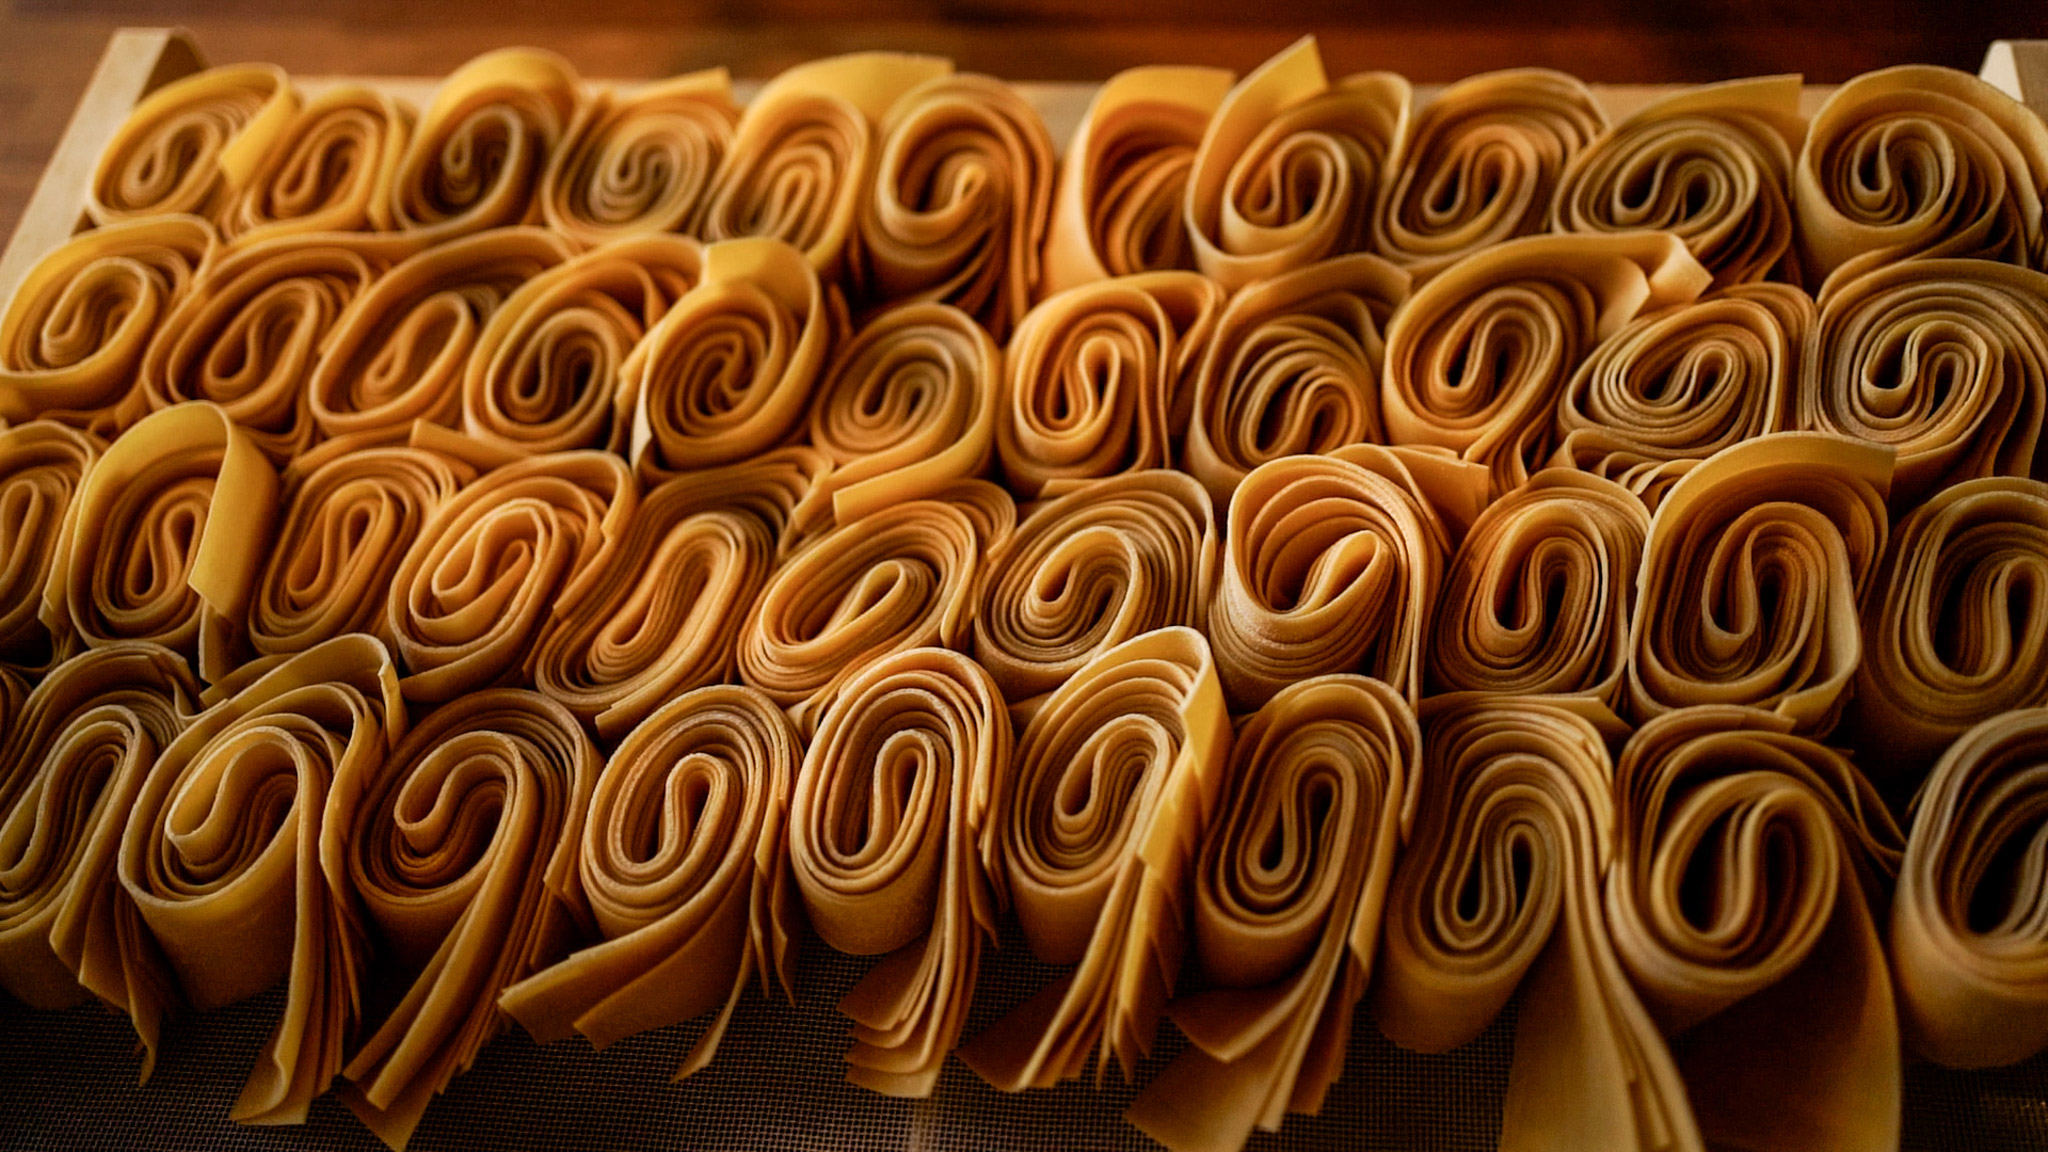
(67, 1080)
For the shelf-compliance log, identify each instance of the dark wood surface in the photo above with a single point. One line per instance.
(48, 47)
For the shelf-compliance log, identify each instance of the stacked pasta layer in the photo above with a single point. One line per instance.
(526, 558)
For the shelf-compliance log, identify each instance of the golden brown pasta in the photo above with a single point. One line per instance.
(71, 764)
(1098, 379)
(728, 372)
(347, 525)
(547, 373)
(1711, 164)
(249, 334)
(1499, 889)
(1332, 564)
(466, 905)
(640, 163)
(1286, 910)
(191, 145)
(1117, 206)
(1919, 161)
(806, 151)
(957, 209)
(1293, 368)
(900, 577)
(1110, 560)
(75, 331)
(1944, 360)
(1956, 627)
(1477, 359)
(518, 545)
(1675, 386)
(1479, 165)
(1971, 970)
(693, 904)
(1142, 730)
(1290, 169)
(664, 615)
(892, 842)
(1749, 867)
(329, 171)
(476, 158)
(1539, 597)
(399, 353)
(168, 532)
(41, 467)
(1753, 577)
(907, 407)
(227, 857)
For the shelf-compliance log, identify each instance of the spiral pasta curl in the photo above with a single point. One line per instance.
(665, 615)
(329, 170)
(1749, 865)
(167, 536)
(1539, 597)
(1919, 161)
(1333, 564)
(462, 845)
(683, 859)
(1286, 914)
(1293, 368)
(75, 331)
(41, 467)
(728, 372)
(959, 203)
(1479, 165)
(476, 158)
(1109, 561)
(519, 544)
(1499, 889)
(1290, 168)
(1712, 165)
(640, 163)
(906, 407)
(892, 842)
(901, 577)
(1754, 574)
(1142, 734)
(1098, 379)
(1117, 206)
(547, 373)
(347, 525)
(1953, 629)
(1674, 387)
(1478, 357)
(250, 334)
(1946, 361)
(398, 354)
(191, 145)
(229, 857)
(71, 765)
(805, 153)
(1972, 974)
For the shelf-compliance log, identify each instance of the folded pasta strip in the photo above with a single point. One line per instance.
(684, 860)
(1288, 899)
(892, 841)
(232, 858)
(462, 846)
(1499, 892)
(1142, 734)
